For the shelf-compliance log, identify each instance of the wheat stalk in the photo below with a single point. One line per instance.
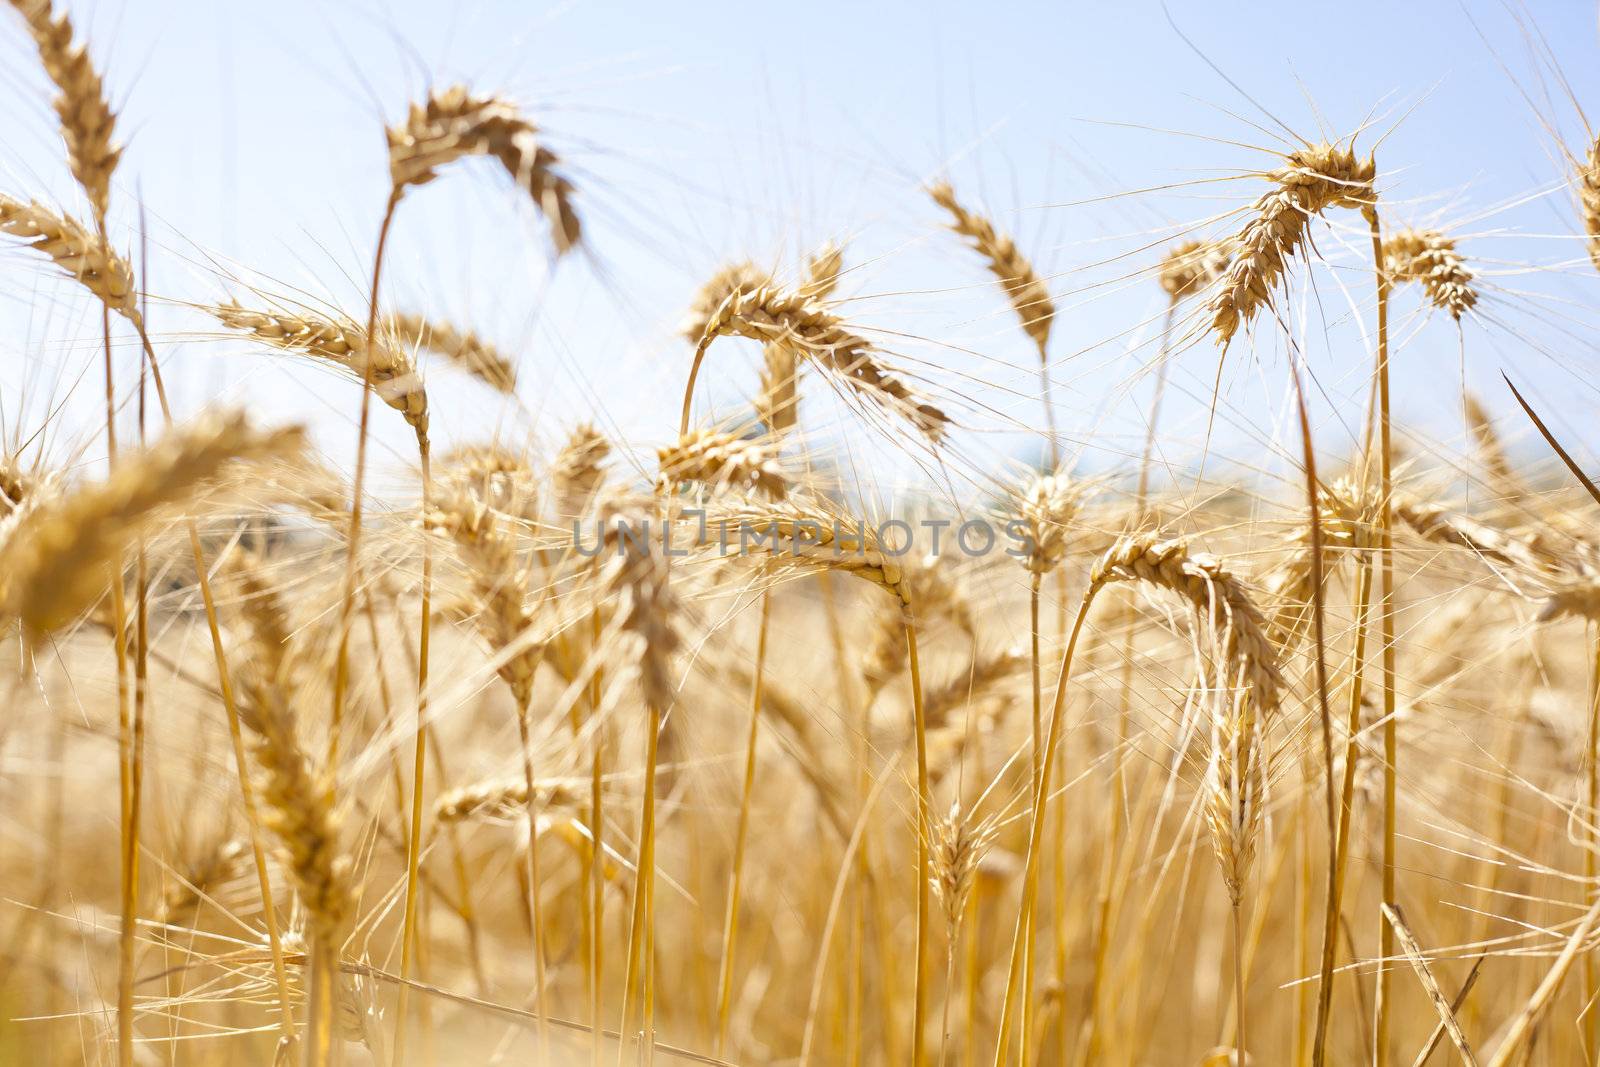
(647, 615)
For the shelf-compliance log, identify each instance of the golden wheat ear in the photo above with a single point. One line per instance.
(78, 251)
(817, 334)
(723, 461)
(87, 122)
(1311, 181)
(454, 123)
(390, 370)
(1024, 288)
(55, 559)
(1190, 266)
(1429, 258)
(464, 348)
(1589, 200)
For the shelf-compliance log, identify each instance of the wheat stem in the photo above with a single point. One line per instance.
(1030, 875)
(1330, 929)
(597, 886)
(1386, 631)
(535, 906)
(919, 996)
(730, 924)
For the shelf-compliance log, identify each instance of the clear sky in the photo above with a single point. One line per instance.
(702, 132)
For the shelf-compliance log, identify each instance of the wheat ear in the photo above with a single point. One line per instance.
(1190, 266)
(1497, 466)
(1589, 200)
(55, 558)
(1024, 288)
(506, 798)
(464, 348)
(1312, 180)
(578, 470)
(775, 317)
(453, 123)
(823, 268)
(87, 122)
(500, 581)
(1430, 259)
(723, 461)
(78, 251)
(390, 370)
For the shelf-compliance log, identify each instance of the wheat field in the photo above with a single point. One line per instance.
(820, 721)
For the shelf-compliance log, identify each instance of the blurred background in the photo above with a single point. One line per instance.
(1097, 134)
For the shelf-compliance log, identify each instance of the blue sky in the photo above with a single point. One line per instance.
(699, 133)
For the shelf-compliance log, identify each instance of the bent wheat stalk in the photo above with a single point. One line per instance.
(1313, 179)
(450, 125)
